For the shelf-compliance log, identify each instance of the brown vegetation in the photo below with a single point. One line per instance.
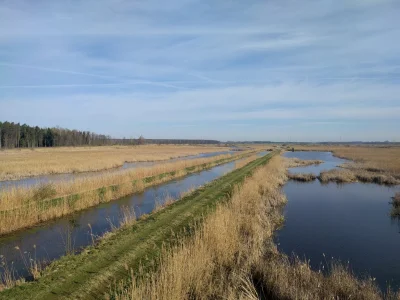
(370, 158)
(25, 207)
(297, 162)
(357, 174)
(232, 256)
(337, 175)
(18, 163)
(303, 177)
(396, 205)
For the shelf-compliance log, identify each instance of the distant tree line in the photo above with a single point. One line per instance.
(15, 135)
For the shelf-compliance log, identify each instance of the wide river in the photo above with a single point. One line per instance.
(348, 222)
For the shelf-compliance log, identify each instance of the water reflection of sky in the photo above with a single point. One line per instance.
(350, 222)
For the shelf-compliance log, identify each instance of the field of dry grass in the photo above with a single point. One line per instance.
(25, 207)
(18, 163)
(232, 256)
(375, 159)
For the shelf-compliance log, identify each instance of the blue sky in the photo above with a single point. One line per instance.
(228, 70)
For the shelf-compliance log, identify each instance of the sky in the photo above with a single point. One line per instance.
(277, 70)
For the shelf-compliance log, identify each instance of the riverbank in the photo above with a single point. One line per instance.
(240, 260)
(23, 208)
(90, 274)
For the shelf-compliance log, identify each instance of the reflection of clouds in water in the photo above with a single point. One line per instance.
(330, 161)
(348, 222)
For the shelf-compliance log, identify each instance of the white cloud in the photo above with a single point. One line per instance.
(190, 60)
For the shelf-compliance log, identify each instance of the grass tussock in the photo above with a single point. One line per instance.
(347, 175)
(297, 162)
(19, 163)
(396, 205)
(26, 207)
(232, 256)
(337, 175)
(279, 277)
(303, 177)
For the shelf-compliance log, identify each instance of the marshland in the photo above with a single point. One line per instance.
(234, 226)
(200, 150)
(19, 163)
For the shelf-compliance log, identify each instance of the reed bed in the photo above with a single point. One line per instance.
(357, 175)
(297, 162)
(303, 177)
(337, 175)
(19, 163)
(26, 207)
(396, 205)
(232, 256)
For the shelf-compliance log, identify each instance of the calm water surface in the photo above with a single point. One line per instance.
(330, 161)
(348, 222)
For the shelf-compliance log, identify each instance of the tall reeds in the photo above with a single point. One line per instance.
(25, 207)
(216, 262)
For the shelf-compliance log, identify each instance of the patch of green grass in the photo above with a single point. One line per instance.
(44, 191)
(90, 274)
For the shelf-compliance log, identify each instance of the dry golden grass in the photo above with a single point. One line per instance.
(297, 162)
(303, 177)
(337, 175)
(370, 158)
(26, 207)
(352, 174)
(232, 256)
(216, 262)
(18, 163)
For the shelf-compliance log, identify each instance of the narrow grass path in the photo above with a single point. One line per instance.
(90, 274)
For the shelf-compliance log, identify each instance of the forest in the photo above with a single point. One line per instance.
(15, 135)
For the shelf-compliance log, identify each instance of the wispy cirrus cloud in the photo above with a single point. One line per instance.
(162, 70)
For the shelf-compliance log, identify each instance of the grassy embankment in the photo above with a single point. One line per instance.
(89, 275)
(375, 164)
(26, 207)
(232, 256)
(19, 163)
